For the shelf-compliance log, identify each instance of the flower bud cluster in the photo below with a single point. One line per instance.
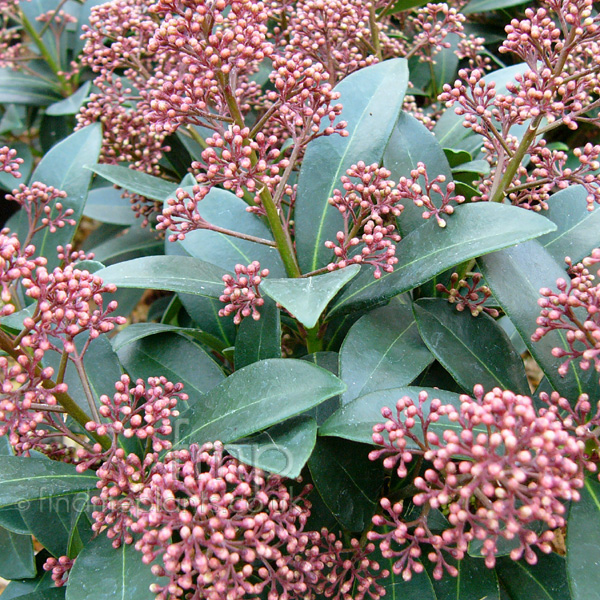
(241, 292)
(422, 196)
(60, 568)
(371, 205)
(494, 466)
(574, 309)
(9, 163)
(65, 301)
(469, 296)
(143, 411)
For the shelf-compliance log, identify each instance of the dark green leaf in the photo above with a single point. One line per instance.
(107, 205)
(382, 350)
(578, 230)
(102, 572)
(204, 312)
(32, 589)
(546, 580)
(473, 349)
(20, 88)
(405, 5)
(346, 480)
(473, 230)
(282, 449)
(16, 555)
(480, 6)
(583, 533)
(37, 479)
(515, 277)
(143, 184)
(171, 273)
(225, 209)
(372, 98)
(411, 142)
(132, 243)
(257, 340)
(72, 104)
(355, 420)
(138, 331)
(49, 522)
(308, 297)
(62, 168)
(44, 594)
(177, 358)
(256, 397)
(328, 361)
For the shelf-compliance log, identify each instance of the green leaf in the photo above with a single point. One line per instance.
(138, 331)
(49, 522)
(282, 449)
(107, 205)
(43, 594)
(328, 361)
(411, 142)
(72, 104)
(405, 5)
(419, 587)
(37, 479)
(307, 298)
(225, 209)
(577, 232)
(258, 340)
(62, 167)
(473, 230)
(20, 88)
(515, 277)
(355, 421)
(382, 350)
(473, 582)
(102, 572)
(171, 273)
(133, 243)
(473, 349)
(256, 397)
(16, 555)
(177, 358)
(546, 580)
(480, 6)
(33, 589)
(347, 481)
(372, 98)
(583, 533)
(140, 183)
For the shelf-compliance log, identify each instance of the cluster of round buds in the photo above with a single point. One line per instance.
(14, 265)
(64, 305)
(39, 201)
(143, 411)
(222, 529)
(241, 292)
(575, 309)
(499, 472)
(468, 296)
(9, 163)
(60, 568)
(412, 189)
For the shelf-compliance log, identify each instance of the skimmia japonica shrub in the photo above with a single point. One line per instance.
(300, 299)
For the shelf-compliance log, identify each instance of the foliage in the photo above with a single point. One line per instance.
(281, 280)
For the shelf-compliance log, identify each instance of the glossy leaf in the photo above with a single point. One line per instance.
(25, 479)
(21, 88)
(225, 209)
(204, 311)
(578, 230)
(72, 104)
(410, 143)
(256, 397)
(49, 522)
(133, 243)
(140, 183)
(430, 250)
(107, 205)
(102, 572)
(355, 420)
(372, 98)
(546, 580)
(484, 6)
(62, 167)
(176, 358)
(258, 340)
(138, 331)
(282, 449)
(328, 361)
(16, 555)
(473, 349)
(419, 587)
(583, 533)
(43, 594)
(515, 277)
(36, 588)
(171, 273)
(346, 480)
(382, 350)
(307, 298)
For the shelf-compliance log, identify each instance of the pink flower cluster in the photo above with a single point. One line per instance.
(9, 163)
(575, 309)
(468, 296)
(241, 292)
(494, 466)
